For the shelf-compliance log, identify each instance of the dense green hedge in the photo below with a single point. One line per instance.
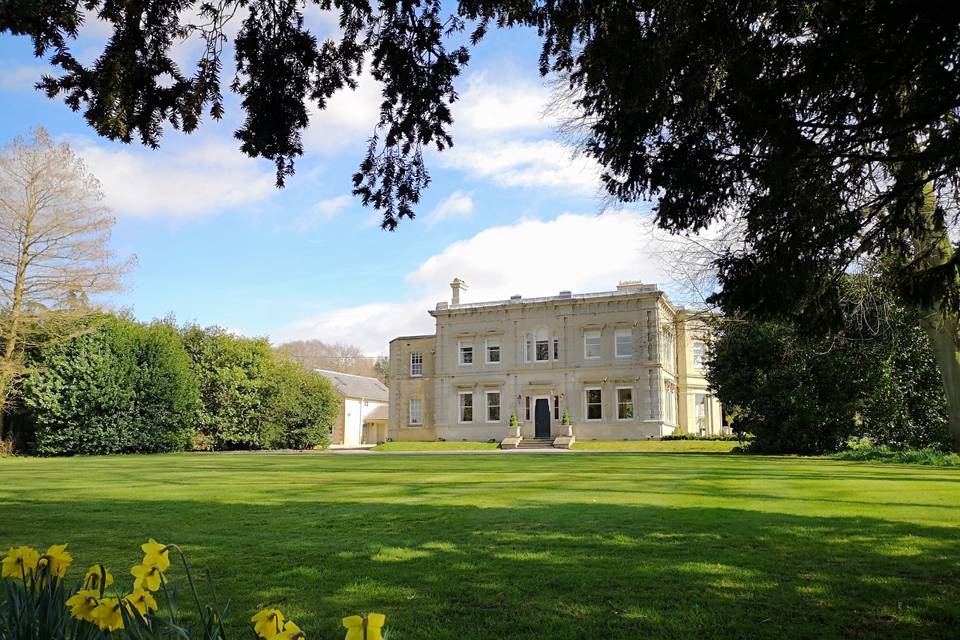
(798, 392)
(693, 436)
(120, 386)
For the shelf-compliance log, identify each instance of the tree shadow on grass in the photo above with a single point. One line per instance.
(564, 571)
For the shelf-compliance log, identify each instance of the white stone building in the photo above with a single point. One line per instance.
(624, 364)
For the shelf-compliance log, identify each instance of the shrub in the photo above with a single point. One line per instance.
(866, 451)
(300, 408)
(121, 387)
(231, 372)
(693, 436)
(801, 393)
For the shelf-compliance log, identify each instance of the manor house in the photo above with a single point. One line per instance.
(624, 365)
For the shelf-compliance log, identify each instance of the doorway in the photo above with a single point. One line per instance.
(541, 418)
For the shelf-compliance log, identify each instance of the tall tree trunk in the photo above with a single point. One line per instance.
(943, 330)
(933, 248)
(9, 359)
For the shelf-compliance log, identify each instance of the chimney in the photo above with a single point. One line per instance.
(630, 285)
(457, 286)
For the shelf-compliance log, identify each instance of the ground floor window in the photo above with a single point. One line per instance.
(700, 403)
(624, 403)
(416, 411)
(466, 406)
(594, 401)
(526, 407)
(556, 407)
(670, 403)
(493, 406)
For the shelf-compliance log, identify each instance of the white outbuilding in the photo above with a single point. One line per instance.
(364, 410)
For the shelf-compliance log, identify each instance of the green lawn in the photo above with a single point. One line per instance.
(436, 446)
(663, 446)
(652, 545)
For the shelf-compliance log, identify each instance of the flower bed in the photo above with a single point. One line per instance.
(37, 604)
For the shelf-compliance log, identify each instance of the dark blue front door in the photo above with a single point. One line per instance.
(541, 419)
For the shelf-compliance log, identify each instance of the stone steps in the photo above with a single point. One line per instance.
(535, 443)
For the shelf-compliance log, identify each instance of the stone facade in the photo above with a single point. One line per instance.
(623, 364)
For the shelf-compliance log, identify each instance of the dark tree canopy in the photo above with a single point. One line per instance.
(829, 128)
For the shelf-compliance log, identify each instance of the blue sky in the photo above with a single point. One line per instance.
(509, 210)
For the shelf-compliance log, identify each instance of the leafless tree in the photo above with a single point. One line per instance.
(55, 260)
(316, 354)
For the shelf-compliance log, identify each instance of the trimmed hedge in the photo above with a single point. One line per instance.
(120, 386)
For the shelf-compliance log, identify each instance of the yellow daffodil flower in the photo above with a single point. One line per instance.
(20, 562)
(156, 554)
(97, 577)
(57, 560)
(354, 626)
(107, 615)
(142, 601)
(83, 603)
(267, 623)
(147, 577)
(290, 632)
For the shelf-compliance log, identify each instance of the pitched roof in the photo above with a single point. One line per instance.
(351, 386)
(382, 412)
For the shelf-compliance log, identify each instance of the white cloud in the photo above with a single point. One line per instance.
(182, 179)
(518, 163)
(348, 119)
(456, 205)
(488, 107)
(22, 77)
(577, 252)
(323, 211)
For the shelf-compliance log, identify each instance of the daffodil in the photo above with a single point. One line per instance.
(107, 615)
(142, 601)
(267, 623)
(147, 577)
(290, 632)
(97, 577)
(57, 560)
(20, 562)
(374, 623)
(156, 554)
(83, 603)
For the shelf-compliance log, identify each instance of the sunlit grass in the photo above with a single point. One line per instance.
(663, 446)
(525, 546)
(436, 446)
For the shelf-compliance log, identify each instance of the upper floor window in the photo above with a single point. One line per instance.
(416, 364)
(623, 342)
(466, 353)
(591, 344)
(667, 337)
(542, 346)
(699, 353)
(556, 349)
(416, 411)
(493, 352)
(466, 406)
(593, 399)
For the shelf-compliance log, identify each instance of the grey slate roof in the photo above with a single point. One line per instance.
(382, 412)
(351, 386)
